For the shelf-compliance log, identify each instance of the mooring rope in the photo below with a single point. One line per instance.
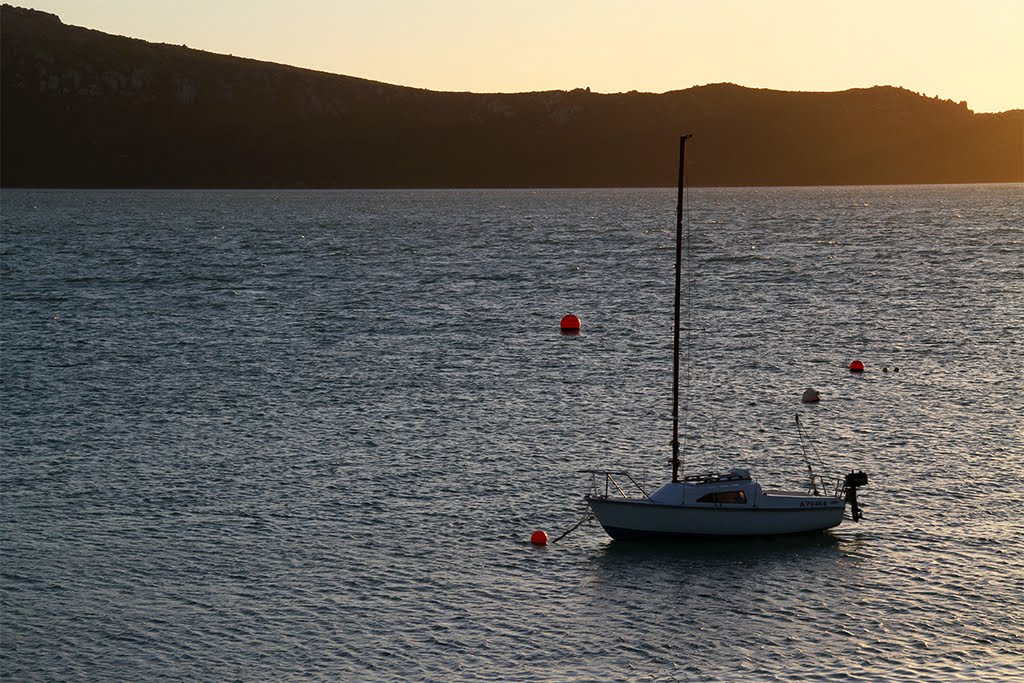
(586, 518)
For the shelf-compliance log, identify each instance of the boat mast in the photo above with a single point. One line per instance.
(675, 345)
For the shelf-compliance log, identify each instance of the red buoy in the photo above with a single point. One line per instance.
(570, 323)
(539, 537)
(856, 366)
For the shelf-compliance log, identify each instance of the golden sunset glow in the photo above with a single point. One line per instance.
(968, 51)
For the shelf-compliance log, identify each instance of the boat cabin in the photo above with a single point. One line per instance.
(733, 488)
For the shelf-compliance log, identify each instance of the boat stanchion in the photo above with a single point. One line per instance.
(853, 481)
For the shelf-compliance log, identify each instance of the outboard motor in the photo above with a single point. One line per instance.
(852, 481)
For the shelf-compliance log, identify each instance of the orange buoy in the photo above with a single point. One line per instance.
(856, 366)
(571, 323)
(539, 537)
(810, 396)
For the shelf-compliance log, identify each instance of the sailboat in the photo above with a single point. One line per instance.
(727, 504)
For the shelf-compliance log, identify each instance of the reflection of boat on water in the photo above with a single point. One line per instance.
(731, 504)
(711, 550)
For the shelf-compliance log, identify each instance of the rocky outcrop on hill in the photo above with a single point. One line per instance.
(82, 108)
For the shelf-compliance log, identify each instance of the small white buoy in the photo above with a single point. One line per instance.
(810, 396)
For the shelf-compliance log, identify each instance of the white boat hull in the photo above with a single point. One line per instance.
(634, 519)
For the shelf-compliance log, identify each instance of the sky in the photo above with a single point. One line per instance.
(960, 50)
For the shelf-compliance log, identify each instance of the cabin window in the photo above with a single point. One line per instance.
(724, 497)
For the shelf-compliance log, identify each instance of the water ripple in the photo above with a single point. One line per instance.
(306, 435)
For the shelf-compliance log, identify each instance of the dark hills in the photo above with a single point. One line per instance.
(82, 108)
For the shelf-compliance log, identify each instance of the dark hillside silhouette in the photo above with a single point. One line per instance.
(82, 108)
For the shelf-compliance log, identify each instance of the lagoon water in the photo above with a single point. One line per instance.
(270, 436)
